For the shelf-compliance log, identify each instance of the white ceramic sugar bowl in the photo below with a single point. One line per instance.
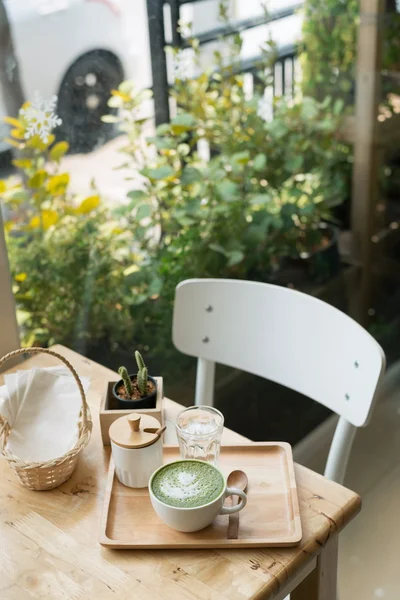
(136, 444)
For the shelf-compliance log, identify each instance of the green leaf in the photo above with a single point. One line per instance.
(260, 162)
(307, 210)
(59, 150)
(235, 257)
(38, 179)
(241, 158)
(227, 190)
(137, 196)
(277, 128)
(256, 234)
(185, 221)
(134, 276)
(288, 210)
(309, 109)
(217, 248)
(18, 196)
(139, 299)
(190, 175)
(338, 107)
(294, 163)
(122, 211)
(183, 149)
(184, 120)
(163, 129)
(162, 143)
(160, 173)
(155, 286)
(182, 123)
(143, 211)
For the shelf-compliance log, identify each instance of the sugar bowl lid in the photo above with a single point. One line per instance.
(135, 431)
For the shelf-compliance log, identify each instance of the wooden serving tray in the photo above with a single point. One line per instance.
(271, 517)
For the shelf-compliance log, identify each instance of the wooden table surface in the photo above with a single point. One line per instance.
(49, 540)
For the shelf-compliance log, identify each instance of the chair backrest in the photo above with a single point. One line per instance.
(283, 335)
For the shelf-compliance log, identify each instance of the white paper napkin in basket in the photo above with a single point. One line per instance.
(42, 407)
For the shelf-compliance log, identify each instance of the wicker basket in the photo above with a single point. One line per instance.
(50, 474)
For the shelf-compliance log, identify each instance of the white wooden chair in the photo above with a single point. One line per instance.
(285, 336)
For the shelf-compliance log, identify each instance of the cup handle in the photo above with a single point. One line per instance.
(229, 510)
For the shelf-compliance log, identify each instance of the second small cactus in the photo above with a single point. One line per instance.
(142, 374)
(127, 380)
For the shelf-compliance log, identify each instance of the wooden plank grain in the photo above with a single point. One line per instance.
(51, 537)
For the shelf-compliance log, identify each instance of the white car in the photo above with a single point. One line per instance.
(78, 50)
(81, 49)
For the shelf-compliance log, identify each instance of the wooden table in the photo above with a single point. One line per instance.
(49, 548)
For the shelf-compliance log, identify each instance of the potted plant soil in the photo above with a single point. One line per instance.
(135, 391)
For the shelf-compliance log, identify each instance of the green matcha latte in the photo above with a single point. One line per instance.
(187, 484)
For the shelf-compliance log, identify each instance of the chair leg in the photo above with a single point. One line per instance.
(205, 382)
(339, 452)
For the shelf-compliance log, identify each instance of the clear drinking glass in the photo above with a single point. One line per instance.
(199, 431)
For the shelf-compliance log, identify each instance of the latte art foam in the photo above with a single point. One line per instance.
(187, 484)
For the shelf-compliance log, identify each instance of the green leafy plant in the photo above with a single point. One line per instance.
(216, 197)
(127, 380)
(238, 212)
(68, 255)
(142, 374)
(328, 50)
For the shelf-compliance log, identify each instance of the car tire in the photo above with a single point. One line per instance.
(82, 101)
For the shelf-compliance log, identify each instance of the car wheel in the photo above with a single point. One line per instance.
(82, 101)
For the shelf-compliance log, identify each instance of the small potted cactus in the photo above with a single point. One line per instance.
(135, 391)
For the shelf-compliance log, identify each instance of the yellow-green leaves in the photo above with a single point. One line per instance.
(36, 143)
(182, 123)
(57, 184)
(131, 269)
(22, 163)
(38, 179)
(20, 277)
(88, 204)
(46, 219)
(18, 134)
(58, 151)
(3, 186)
(13, 122)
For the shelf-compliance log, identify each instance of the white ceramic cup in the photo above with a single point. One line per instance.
(198, 517)
(134, 466)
